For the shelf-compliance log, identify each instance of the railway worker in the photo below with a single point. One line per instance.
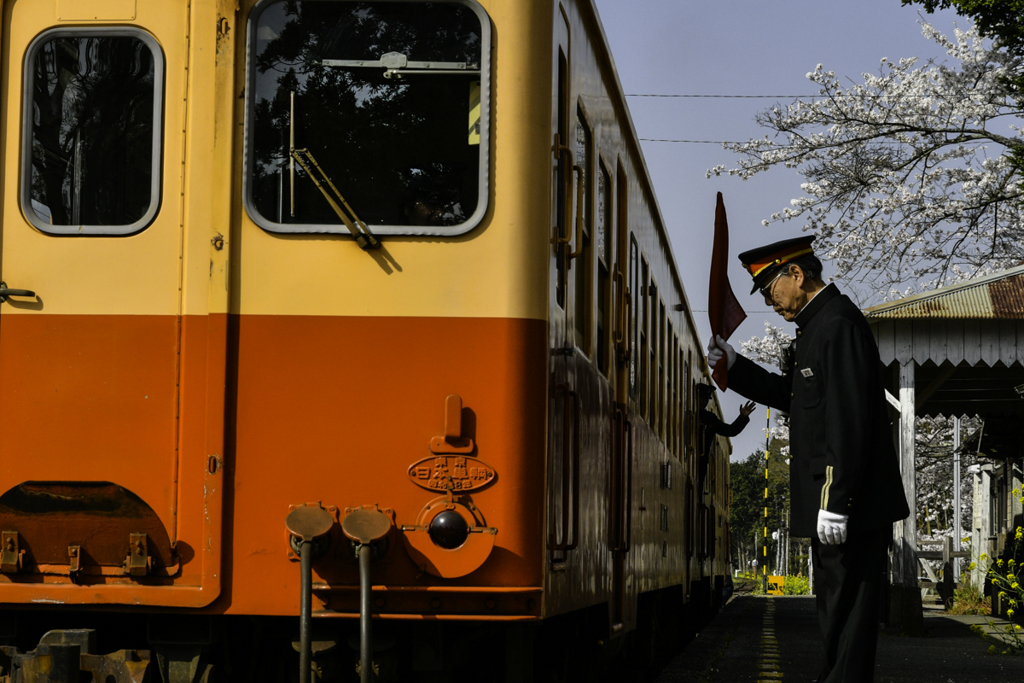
(845, 485)
(713, 426)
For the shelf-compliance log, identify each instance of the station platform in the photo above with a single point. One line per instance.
(757, 639)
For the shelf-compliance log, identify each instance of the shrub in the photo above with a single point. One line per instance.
(968, 600)
(796, 585)
(1007, 577)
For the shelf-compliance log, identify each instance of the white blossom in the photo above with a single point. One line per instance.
(907, 181)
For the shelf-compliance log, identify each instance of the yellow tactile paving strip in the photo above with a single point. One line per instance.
(769, 669)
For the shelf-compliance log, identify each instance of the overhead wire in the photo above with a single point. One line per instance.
(695, 142)
(707, 142)
(739, 97)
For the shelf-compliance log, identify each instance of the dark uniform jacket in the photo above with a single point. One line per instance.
(840, 436)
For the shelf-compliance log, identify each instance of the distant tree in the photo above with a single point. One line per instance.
(747, 512)
(934, 457)
(767, 350)
(999, 19)
(909, 175)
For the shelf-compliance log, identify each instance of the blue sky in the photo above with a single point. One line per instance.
(739, 47)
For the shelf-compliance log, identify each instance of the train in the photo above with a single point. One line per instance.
(340, 340)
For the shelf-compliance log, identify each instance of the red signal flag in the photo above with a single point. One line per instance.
(724, 309)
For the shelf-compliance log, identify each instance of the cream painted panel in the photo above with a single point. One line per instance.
(209, 150)
(137, 275)
(496, 270)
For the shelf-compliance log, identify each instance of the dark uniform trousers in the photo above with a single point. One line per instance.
(849, 584)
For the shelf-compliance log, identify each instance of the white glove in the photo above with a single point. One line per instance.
(831, 527)
(717, 348)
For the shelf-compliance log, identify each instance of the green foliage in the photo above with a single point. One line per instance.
(968, 600)
(1007, 580)
(794, 585)
(797, 585)
(757, 581)
(746, 514)
(999, 19)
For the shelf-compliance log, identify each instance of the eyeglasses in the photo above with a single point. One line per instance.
(766, 291)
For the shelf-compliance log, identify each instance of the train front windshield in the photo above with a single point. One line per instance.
(376, 104)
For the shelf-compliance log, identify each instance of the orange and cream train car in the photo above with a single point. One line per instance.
(300, 296)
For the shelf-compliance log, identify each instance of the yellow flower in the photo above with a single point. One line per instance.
(972, 565)
(1002, 595)
(1015, 586)
(984, 556)
(1013, 563)
(999, 562)
(1009, 613)
(965, 539)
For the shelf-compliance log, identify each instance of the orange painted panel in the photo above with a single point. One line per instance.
(96, 398)
(336, 409)
(90, 398)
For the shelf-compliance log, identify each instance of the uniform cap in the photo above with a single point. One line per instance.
(762, 263)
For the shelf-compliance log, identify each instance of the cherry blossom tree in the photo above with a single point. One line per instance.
(908, 176)
(768, 350)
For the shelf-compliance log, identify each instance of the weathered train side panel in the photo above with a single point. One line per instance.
(641, 511)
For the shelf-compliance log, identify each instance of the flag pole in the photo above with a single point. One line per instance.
(764, 558)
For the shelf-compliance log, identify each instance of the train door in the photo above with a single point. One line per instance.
(563, 440)
(626, 392)
(105, 469)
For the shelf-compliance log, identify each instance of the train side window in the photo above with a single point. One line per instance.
(91, 140)
(634, 294)
(677, 404)
(372, 113)
(668, 385)
(645, 316)
(604, 259)
(687, 437)
(652, 355)
(670, 389)
(583, 264)
(661, 369)
(563, 170)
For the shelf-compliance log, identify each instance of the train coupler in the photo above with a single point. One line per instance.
(62, 656)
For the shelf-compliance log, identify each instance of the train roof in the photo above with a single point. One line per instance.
(605, 55)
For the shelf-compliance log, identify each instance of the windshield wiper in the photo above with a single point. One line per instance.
(364, 238)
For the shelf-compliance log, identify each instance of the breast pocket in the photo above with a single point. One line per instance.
(807, 388)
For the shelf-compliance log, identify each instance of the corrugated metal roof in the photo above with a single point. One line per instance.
(996, 296)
